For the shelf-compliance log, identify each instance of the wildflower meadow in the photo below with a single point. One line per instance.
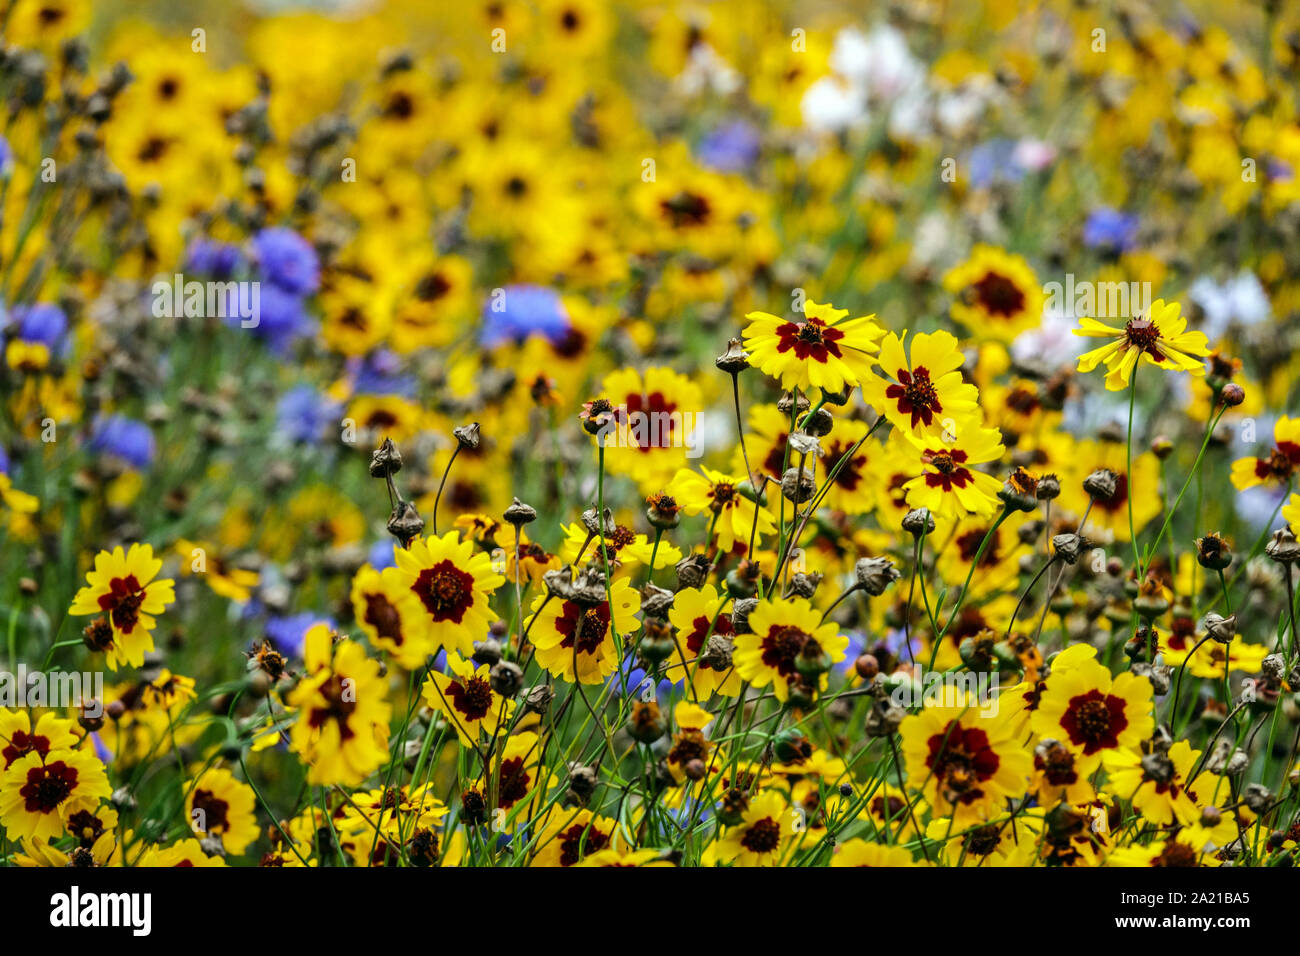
(569, 433)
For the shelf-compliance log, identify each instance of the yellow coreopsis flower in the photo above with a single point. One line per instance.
(823, 351)
(122, 588)
(1158, 338)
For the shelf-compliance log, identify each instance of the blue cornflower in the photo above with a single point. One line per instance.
(287, 260)
(303, 414)
(731, 148)
(523, 310)
(42, 322)
(1108, 228)
(124, 438)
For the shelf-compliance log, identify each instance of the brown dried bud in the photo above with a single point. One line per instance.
(918, 521)
(405, 523)
(692, 571)
(520, 514)
(386, 460)
(1232, 395)
(734, 360)
(468, 436)
(1101, 485)
(1283, 548)
(874, 575)
(506, 678)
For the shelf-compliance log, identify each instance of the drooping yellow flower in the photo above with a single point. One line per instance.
(1158, 338)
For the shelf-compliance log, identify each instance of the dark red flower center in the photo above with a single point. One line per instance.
(781, 646)
(812, 339)
(446, 590)
(915, 395)
(961, 759)
(586, 628)
(1094, 720)
(122, 602)
(998, 295)
(48, 786)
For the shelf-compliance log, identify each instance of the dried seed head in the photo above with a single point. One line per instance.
(874, 575)
(918, 521)
(520, 514)
(506, 678)
(805, 585)
(468, 436)
(386, 460)
(1101, 485)
(656, 601)
(1069, 546)
(405, 523)
(1221, 629)
(735, 359)
(798, 485)
(486, 651)
(805, 444)
(692, 571)
(1283, 547)
(717, 653)
(740, 611)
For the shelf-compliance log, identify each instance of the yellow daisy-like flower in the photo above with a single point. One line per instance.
(219, 805)
(719, 494)
(568, 836)
(1190, 846)
(1158, 338)
(123, 589)
(765, 830)
(945, 482)
(696, 615)
(1090, 712)
(922, 393)
(220, 574)
(343, 712)
(1158, 791)
(39, 793)
(466, 698)
(966, 759)
(629, 858)
(782, 632)
(859, 852)
(183, 853)
(392, 615)
(998, 295)
(653, 431)
(570, 638)
(453, 584)
(823, 351)
(1279, 467)
(18, 738)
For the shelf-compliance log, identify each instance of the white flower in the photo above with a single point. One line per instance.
(831, 105)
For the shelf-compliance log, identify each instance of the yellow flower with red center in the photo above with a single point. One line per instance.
(653, 430)
(623, 547)
(122, 588)
(183, 853)
(454, 584)
(782, 633)
(823, 351)
(964, 757)
(1158, 338)
(571, 638)
(997, 294)
(1083, 707)
(392, 615)
(1279, 467)
(342, 728)
(570, 835)
(922, 392)
(18, 738)
(1189, 846)
(946, 480)
(625, 858)
(220, 806)
(719, 494)
(39, 792)
(697, 615)
(765, 830)
(1155, 783)
(466, 698)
